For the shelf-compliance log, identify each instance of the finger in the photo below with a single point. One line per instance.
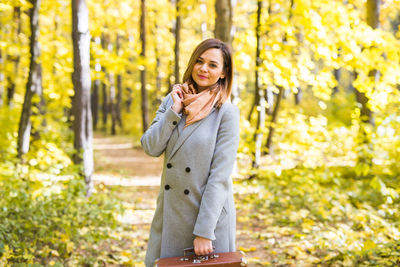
(179, 93)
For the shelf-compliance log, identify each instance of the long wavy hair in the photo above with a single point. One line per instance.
(226, 82)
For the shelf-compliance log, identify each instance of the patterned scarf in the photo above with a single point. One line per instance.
(198, 105)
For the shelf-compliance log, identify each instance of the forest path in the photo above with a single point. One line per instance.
(135, 178)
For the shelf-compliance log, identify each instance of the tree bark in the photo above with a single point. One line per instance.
(111, 80)
(83, 141)
(223, 20)
(145, 121)
(157, 70)
(337, 73)
(95, 103)
(177, 32)
(34, 84)
(105, 102)
(373, 12)
(1, 79)
(260, 112)
(119, 87)
(16, 58)
(129, 90)
(273, 122)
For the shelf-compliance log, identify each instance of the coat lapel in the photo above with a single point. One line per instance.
(184, 133)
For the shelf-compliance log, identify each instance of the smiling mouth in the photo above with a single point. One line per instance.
(201, 76)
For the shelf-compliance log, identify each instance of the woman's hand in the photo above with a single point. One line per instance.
(177, 96)
(202, 246)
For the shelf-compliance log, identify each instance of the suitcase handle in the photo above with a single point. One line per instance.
(198, 258)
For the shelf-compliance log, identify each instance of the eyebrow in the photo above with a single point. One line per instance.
(212, 61)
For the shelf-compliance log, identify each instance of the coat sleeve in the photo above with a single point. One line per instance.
(217, 187)
(155, 139)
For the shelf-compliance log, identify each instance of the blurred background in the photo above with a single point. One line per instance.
(318, 86)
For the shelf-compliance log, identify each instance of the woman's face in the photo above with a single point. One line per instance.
(208, 68)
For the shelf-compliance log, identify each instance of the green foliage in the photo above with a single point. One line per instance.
(322, 216)
(47, 220)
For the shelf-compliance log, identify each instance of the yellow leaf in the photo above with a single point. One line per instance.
(247, 249)
(369, 244)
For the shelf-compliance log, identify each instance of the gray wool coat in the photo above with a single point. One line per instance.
(195, 197)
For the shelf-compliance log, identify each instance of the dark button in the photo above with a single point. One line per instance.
(186, 191)
(174, 122)
(187, 169)
(167, 187)
(169, 165)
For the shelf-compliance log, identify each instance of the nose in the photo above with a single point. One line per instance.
(203, 67)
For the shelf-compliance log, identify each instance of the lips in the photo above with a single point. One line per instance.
(202, 76)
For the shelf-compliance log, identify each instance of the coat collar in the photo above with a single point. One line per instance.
(184, 133)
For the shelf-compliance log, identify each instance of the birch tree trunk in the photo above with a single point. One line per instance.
(34, 84)
(83, 141)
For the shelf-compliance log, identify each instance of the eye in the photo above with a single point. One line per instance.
(198, 61)
(213, 65)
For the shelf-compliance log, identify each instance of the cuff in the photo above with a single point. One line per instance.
(204, 231)
(172, 118)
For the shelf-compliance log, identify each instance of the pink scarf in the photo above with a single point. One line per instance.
(198, 105)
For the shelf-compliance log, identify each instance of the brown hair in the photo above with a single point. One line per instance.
(226, 82)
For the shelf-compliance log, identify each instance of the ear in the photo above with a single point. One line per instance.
(222, 75)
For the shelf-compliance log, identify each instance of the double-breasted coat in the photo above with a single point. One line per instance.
(195, 197)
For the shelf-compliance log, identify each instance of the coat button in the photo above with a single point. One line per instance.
(169, 165)
(174, 122)
(186, 191)
(167, 187)
(187, 169)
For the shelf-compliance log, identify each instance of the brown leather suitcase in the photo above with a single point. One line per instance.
(229, 259)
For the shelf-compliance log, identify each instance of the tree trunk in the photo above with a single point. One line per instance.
(373, 9)
(95, 103)
(1, 79)
(129, 90)
(337, 74)
(105, 105)
(157, 70)
(373, 12)
(34, 84)
(111, 80)
(273, 121)
(145, 120)
(119, 88)
(112, 99)
(16, 58)
(83, 142)
(104, 108)
(177, 32)
(223, 20)
(203, 25)
(260, 112)
(269, 97)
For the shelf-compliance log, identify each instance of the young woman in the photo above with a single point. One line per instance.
(197, 129)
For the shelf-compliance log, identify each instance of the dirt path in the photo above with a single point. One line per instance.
(135, 177)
